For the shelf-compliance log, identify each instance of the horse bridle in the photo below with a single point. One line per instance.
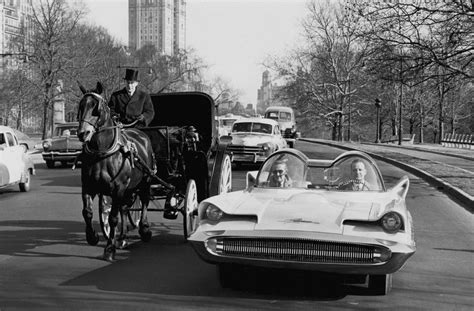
(100, 104)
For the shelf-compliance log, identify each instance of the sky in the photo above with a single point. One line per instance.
(232, 36)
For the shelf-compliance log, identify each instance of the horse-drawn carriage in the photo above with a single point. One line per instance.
(179, 162)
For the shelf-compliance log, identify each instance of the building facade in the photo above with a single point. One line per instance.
(267, 93)
(161, 23)
(15, 23)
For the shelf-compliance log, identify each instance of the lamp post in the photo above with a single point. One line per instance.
(378, 104)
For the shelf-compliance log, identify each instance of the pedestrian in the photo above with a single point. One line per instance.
(130, 103)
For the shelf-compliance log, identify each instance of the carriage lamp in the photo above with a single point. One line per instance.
(214, 213)
(391, 222)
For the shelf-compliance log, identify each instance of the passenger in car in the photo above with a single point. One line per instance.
(357, 181)
(279, 175)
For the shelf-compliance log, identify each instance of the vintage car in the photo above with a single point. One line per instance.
(225, 122)
(254, 139)
(285, 116)
(16, 167)
(64, 146)
(316, 222)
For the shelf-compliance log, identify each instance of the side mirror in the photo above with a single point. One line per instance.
(2, 148)
(251, 179)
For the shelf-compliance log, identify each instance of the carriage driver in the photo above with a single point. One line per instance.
(130, 104)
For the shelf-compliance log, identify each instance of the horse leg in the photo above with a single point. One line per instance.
(91, 236)
(110, 249)
(144, 226)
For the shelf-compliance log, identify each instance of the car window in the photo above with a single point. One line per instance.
(295, 170)
(286, 116)
(262, 128)
(11, 140)
(272, 115)
(3, 141)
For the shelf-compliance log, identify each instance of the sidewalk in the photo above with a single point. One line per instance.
(455, 181)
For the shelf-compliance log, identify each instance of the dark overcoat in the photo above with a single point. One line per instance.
(130, 107)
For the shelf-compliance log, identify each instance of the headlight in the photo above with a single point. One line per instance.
(46, 145)
(267, 148)
(391, 222)
(214, 213)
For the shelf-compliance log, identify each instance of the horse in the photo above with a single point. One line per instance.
(115, 162)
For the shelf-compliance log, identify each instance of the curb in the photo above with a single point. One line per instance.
(424, 150)
(464, 198)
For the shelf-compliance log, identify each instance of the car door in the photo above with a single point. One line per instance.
(13, 157)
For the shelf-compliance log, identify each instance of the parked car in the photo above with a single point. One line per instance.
(285, 116)
(16, 167)
(254, 139)
(313, 223)
(64, 146)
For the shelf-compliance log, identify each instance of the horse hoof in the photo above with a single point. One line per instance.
(109, 253)
(145, 234)
(122, 244)
(92, 237)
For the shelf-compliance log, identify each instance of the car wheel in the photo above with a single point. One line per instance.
(25, 186)
(50, 164)
(380, 284)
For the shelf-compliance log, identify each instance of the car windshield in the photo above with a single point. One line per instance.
(284, 170)
(66, 131)
(272, 115)
(252, 127)
(351, 173)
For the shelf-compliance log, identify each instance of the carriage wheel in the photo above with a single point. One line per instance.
(135, 215)
(225, 184)
(105, 206)
(190, 205)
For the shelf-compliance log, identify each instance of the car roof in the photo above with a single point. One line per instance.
(279, 108)
(4, 128)
(257, 120)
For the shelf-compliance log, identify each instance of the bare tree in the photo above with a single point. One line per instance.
(54, 23)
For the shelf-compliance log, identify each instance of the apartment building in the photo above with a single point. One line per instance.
(15, 22)
(161, 23)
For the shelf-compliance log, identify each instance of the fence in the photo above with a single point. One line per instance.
(465, 141)
(406, 138)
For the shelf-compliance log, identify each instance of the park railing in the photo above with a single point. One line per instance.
(465, 141)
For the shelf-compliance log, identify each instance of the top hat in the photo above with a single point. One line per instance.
(131, 75)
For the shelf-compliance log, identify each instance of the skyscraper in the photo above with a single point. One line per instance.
(161, 23)
(14, 24)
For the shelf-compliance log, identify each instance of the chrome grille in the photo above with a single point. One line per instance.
(245, 150)
(300, 250)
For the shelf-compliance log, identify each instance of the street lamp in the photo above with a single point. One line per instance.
(378, 105)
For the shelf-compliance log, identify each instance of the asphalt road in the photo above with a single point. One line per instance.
(45, 262)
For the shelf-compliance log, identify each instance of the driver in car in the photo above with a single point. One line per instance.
(279, 175)
(357, 181)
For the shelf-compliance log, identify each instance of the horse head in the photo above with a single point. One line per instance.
(92, 113)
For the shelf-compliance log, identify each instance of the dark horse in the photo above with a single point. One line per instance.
(116, 162)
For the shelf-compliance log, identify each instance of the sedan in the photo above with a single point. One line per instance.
(16, 167)
(254, 139)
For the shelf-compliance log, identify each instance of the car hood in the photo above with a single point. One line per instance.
(62, 143)
(249, 139)
(299, 209)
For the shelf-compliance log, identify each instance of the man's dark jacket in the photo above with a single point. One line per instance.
(130, 107)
